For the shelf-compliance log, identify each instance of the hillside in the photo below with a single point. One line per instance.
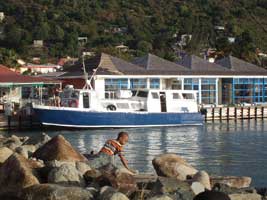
(142, 25)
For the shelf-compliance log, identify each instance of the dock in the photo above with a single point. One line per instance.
(18, 122)
(236, 113)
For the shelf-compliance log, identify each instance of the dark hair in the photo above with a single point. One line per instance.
(121, 134)
(212, 195)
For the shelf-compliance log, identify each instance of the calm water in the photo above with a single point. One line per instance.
(221, 148)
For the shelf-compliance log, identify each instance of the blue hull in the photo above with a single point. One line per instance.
(72, 118)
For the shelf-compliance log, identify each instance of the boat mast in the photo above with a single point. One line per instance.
(87, 85)
(88, 82)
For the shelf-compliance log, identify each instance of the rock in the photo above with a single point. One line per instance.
(231, 190)
(172, 187)
(232, 181)
(58, 148)
(26, 150)
(212, 195)
(17, 173)
(251, 196)
(4, 154)
(56, 163)
(38, 141)
(82, 167)
(56, 192)
(124, 182)
(172, 165)
(109, 193)
(197, 187)
(12, 142)
(91, 175)
(66, 175)
(203, 178)
(161, 197)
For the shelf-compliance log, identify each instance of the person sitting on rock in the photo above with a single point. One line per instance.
(109, 150)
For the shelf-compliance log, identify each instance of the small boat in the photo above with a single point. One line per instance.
(127, 108)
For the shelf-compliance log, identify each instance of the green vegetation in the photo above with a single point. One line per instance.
(143, 25)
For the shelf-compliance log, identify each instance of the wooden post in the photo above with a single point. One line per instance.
(19, 122)
(9, 122)
(227, 113)
(235, 113)
(249, 113)
(220, 113)
(213, 113)
(256, 113)
(262, 112)
(31, 121)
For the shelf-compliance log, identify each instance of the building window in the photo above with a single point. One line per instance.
(154, 83)
(191, 83)
(243, 90)
(138, 83)
(176, 85)
(116, 84)
(248, 90)
(208, 90)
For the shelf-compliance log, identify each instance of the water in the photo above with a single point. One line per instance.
(238, 149)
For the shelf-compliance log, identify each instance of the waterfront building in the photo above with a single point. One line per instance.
(227, 81)
(17, 88)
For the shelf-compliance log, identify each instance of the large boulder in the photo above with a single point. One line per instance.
(203, 178)
(66, 175)
(124, 182)
(4, 154)
(58, 148)
(56, 192)
(172, 187)
(17, 173)
(172, 165)
(232, 181)
(250, 196)
(109, 193)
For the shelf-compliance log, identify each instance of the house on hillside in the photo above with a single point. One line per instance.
(2, 16)
(226, 81)
(39, 69)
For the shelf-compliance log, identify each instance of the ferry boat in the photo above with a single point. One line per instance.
(136, 108)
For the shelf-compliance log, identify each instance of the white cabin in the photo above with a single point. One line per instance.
(133, 101)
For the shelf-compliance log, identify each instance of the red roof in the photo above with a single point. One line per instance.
(9, 76)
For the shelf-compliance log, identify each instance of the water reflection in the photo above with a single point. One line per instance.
(219, 148)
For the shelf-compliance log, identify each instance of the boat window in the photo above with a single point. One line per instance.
(155, 95)
(188, 96)
(175, 96)
(142, 94)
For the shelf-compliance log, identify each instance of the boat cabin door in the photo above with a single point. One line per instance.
(163, 101)
(86, 99)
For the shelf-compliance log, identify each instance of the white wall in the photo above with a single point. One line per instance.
(100, 87)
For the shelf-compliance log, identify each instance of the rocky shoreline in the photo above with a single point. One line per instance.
(47, 168)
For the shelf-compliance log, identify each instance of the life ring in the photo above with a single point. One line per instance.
(73, 103)
(111, 108)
